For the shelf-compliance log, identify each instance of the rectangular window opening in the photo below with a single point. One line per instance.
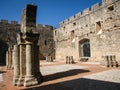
(55, 32)
(72, 35)
(111, 8)
(98, 26)
(74, 24)
(45, 42)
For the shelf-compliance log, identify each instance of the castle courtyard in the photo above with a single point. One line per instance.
(61, 76)
(83, 53)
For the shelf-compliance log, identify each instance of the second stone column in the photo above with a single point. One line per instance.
(29, 79)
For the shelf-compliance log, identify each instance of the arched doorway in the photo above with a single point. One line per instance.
(84, 48)
(3, 49)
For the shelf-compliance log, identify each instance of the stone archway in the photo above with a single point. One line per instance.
(3, 49)
(84, 48)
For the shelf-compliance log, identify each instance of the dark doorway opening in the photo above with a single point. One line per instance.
(84, 48)
(3, 49)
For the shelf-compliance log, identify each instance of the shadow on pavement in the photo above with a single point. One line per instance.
(80, 84)
(64, 74)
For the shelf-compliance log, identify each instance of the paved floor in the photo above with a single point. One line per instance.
(106, 80)
(1, 78)
(61, 76)
(59, 68)
(112, 75)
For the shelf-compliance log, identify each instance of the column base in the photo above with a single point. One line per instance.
(30, 80)
(15, 80)
(8, 67)
(20, 81)
(12, 67)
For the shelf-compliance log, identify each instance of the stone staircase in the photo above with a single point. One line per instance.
(51, 55)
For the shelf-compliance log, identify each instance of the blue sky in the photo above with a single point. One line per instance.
(50, 12)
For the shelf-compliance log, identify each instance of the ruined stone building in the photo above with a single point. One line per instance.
(93, 33)
(26, 52)
(24, 56)
(8, 31)
(8, 35)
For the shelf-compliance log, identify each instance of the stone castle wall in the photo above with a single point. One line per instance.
(8, 31)
(8, 37)
(46, 40)
(99, 25)
(102, 20)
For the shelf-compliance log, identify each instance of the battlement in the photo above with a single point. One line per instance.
(72, 18)
(6, 22)
(105, 2)
(14, 22)
(68, 20)
(95, 6)
(39, 25)
(87, 11)
(44, 26)
(48, 26)
(78, 15)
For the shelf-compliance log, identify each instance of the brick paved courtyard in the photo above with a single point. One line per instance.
(61, 76)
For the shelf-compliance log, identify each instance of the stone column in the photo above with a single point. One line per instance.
(12, 67)
(21, 77)
(16, 64)
(46, 58)
(107, 59)
(66, 59)
(111, 60)
(7, 59)
(72, 61)
(28, 59)
(37, 72)
(69, 59)
(29, 78)
(10, 59)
